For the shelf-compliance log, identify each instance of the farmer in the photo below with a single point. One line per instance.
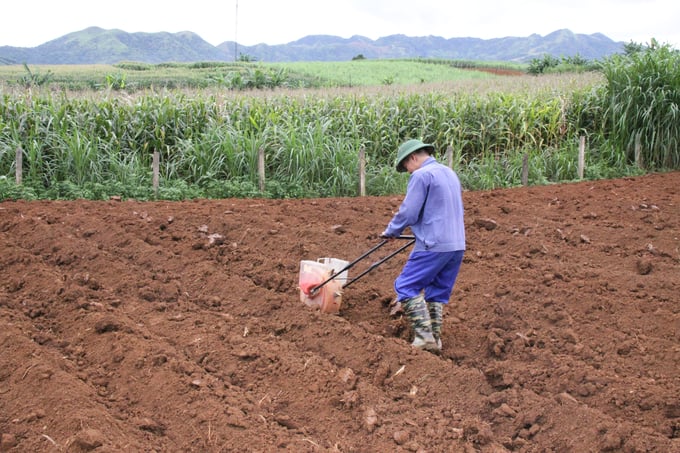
(433, 208)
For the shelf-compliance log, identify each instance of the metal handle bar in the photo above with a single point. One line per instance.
(316, 288)
(378, 263)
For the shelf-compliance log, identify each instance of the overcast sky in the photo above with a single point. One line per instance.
(29, 23)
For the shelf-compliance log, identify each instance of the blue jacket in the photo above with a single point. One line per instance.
(433, 208)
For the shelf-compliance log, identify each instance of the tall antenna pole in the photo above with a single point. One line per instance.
(236, 34)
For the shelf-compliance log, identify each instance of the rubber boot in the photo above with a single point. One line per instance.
(436, 309)
(416, 311)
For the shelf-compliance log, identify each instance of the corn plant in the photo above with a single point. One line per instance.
(209, 140)
(642, 99)
(35, 79)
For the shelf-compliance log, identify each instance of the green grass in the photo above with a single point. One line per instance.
(378, 72)
(133, 76)
(89, 132)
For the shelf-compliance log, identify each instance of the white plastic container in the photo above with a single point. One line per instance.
(335, 264)
(328, 298)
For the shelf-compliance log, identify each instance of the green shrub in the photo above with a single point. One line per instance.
(641, 104)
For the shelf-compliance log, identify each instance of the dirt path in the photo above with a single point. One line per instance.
(177, 326)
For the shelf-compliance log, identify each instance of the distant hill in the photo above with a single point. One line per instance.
(95, 45)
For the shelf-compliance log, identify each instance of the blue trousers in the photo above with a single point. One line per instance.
(434, 273)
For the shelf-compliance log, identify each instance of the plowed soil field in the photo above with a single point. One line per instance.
(132, 326)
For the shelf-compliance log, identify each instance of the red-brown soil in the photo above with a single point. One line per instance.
(178, 327)
(501, 71)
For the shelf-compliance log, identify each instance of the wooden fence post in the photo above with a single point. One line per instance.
(638, 151)
(260, 167)
(525, 169)
(449, 156)
(19, 165)
(156, 171)
(362, 171)
(581, 156)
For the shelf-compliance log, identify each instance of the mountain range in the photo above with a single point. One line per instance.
(95, 45)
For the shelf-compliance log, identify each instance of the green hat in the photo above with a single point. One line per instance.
(407, 148)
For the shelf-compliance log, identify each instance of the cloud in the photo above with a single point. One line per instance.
(29, 24)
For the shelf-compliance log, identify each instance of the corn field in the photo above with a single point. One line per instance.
(643, 99)
(101, 145)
